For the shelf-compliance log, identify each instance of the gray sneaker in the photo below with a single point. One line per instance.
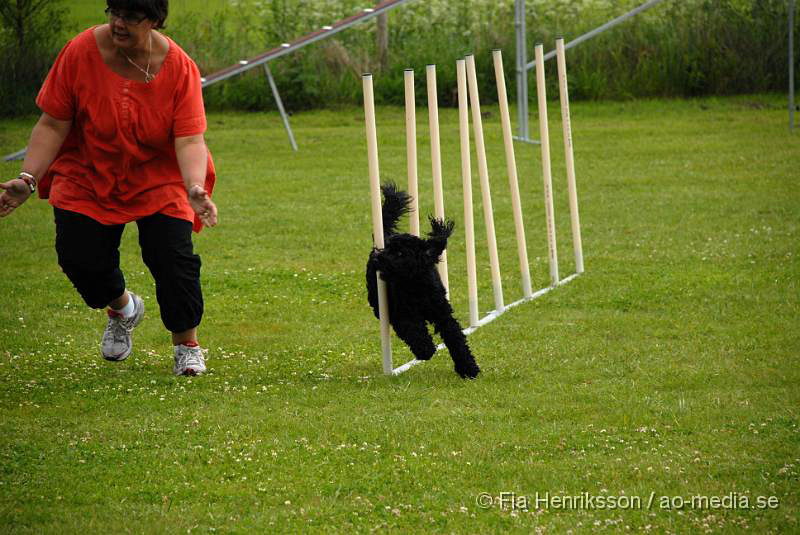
(189, 360)
(117, 342)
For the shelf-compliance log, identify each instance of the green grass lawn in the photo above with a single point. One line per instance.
(669, 369)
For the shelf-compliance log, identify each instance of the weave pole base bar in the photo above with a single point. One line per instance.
(490, 317)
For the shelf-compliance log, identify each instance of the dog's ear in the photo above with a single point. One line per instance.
(440, 229)
(437, 237)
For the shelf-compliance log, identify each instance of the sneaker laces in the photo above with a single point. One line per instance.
(190, 356)
(119, 328)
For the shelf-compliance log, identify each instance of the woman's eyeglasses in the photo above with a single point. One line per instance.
(124, 16)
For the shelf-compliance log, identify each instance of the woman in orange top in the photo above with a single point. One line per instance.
(120, 139)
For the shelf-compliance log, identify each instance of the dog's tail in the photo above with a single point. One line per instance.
(396, 204)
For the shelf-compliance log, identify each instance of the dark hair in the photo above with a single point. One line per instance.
(155, 10)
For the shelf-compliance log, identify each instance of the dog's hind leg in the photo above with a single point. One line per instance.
(456, 343)
(415, 334)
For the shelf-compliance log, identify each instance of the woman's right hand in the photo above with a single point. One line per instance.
(14, 193)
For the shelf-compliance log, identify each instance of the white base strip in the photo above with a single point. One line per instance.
(490, 317)
(407, 366)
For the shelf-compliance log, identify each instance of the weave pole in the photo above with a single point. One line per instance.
(483, 171)
(513, 181)
(544, 135)
(436, 163)
(466, 177)
(377, 217)
(411, 150)
(563, 90)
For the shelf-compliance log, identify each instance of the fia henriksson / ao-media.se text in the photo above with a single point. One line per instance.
(512, 501)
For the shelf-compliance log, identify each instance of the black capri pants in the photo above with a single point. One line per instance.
(88, 253)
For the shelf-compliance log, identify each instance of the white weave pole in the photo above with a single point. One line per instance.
(483, 171)
(570, 158)
(466, 176)
(377, 217)
(411, 150)
(546, 172)
(513, 182)
(436, 163)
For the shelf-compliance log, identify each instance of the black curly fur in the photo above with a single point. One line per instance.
(416, 294)
(396, 204)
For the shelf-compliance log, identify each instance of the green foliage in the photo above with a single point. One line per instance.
(703, 47)
(29, 40)
(670, 367)
(680, 48)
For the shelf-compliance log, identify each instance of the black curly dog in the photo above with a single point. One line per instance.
(416, 294)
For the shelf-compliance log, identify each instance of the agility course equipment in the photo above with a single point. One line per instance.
(791, 65)
(523, 66)
(292, 46)
(436, 162)
(468, 100)
(544, 133)
(411, 150)
(486, 194)
(569, 157)
(466, 179)
(513, 181)
(377, 217)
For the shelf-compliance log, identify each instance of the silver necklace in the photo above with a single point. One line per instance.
(148, 77)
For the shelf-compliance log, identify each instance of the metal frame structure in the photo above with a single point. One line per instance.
(791, 66)
(523, 66)
(522, 71)
(317, 35)
(287, 48)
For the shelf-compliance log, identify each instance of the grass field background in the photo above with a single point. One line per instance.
(670, 368)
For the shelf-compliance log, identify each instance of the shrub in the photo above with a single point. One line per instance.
(29, 41)
(679, 48)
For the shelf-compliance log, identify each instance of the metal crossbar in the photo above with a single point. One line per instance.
(523, 68)
(300, 42)
(279, 51)
(791, 65)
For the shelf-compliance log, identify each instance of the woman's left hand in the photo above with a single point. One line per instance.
(203, 206)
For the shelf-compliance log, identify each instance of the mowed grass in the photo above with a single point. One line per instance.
(669, 369)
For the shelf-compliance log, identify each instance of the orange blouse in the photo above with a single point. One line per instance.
(118, 162)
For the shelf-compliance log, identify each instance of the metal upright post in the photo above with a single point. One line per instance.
(522, 71)
(791, 65)
(279, 102)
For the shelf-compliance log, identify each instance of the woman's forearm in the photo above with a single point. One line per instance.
(192, 160)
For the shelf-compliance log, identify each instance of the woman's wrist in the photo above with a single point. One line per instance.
(193, 186)
(29, 179)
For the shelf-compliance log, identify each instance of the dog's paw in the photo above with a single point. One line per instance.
(468, 371)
